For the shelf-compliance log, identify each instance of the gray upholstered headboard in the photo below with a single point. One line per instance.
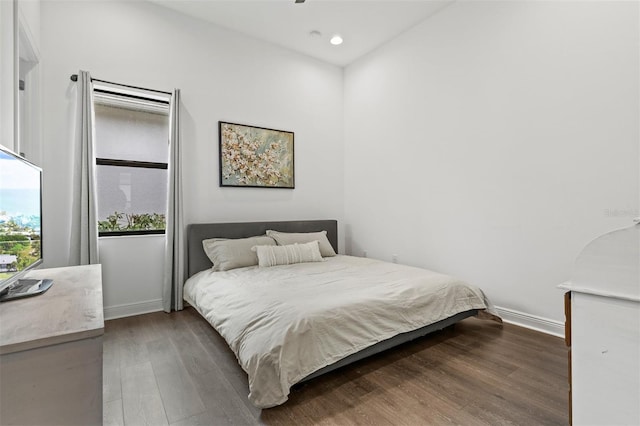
(198, 261)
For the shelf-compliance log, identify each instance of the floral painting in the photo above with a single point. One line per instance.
(255, 156)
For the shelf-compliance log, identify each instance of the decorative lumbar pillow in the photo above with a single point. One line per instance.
(289, 254)
(234, 253)
(286, 238)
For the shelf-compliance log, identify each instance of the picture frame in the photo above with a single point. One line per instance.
(255, 157)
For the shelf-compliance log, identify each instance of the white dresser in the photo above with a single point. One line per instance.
(51, 351)
(603, 330)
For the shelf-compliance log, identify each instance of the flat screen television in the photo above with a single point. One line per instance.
(20, 226)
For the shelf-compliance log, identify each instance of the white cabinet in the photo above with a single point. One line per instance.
(603, 331)
(51, 351)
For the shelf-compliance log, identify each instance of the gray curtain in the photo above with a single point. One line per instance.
(83, 247)
(174, 249)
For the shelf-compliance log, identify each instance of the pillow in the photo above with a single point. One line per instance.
(289, 254)
(286, 238)
(234, 253)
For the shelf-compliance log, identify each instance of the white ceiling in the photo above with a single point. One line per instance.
(363, 24)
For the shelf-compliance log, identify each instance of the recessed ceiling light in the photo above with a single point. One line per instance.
(336, 40)
(315, 34)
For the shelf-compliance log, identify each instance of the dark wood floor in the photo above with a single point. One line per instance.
(175, 369)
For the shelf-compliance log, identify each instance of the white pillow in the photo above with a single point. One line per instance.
(286, 238)
(234, 253)
(288, 255)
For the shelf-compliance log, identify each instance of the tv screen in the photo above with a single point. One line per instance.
(20, 217)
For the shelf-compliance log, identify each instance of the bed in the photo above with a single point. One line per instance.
(290, 323)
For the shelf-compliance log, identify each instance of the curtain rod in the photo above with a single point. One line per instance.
(74, 77)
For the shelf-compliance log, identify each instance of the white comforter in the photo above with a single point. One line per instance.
(285, 322)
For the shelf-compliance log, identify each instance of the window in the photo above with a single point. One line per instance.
(132, 152)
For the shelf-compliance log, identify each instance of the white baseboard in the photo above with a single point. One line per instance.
(131, 309)
(544, 325)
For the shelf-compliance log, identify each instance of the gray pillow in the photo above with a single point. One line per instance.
(286, 238)
(234, 253)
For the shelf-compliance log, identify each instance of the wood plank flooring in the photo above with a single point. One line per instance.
(174, 369)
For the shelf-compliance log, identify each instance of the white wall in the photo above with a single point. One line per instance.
(7, 77)
(131, 274)
(222, 76)
(28, 116)
(29, 18)
(493, 141)
(19, 32)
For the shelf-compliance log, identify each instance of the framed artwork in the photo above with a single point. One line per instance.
(255, 157)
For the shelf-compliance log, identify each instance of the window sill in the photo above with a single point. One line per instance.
(160, 233)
